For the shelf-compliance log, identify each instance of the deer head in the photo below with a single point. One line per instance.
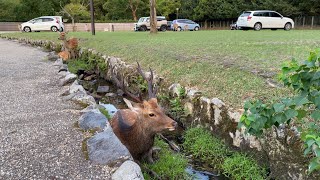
(137, 125)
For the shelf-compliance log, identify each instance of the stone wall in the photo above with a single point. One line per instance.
(279, 148)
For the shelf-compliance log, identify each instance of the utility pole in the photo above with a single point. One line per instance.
(93, 30)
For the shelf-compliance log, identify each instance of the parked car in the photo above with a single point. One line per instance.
(264, 19)
(144, 24)
(184, 24)
(43, 23)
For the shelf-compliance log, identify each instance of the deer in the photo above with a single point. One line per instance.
(175, 27)
(137, 126)
(65, 55)
(69, 45)
(186, 27)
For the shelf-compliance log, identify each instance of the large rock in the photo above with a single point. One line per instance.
(105, 148)
(92, 120)
(128, 170)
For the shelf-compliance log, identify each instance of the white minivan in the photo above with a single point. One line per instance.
(43, 23)
(264, 19)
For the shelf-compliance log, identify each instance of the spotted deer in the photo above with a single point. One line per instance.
(69, 45)
(186, 27)
(137, 126)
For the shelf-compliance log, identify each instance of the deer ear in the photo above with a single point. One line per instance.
(135, 107)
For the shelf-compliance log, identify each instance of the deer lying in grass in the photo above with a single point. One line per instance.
(65, 55)
(137, 126)
(69, 45)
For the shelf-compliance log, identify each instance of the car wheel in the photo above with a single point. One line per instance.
(54, 29)
(287, 26)
(143, 28)
(27, 29)
(179, 29)
(257, 26)
(163, 28)
(196, 28)
(61, 29)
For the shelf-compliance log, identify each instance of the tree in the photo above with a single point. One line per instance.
(7, 12)
(187, 8)
(153, 17)
(166, 7)
(76, 10)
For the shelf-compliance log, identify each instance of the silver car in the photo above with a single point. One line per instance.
(184, 24)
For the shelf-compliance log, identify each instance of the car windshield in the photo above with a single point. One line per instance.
(141, 19)
(245, 14)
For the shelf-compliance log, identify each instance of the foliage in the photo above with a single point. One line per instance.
(303, 108)
(169, 165)
(105, 113)
(167, 7)
(76, 65)
(239, 166)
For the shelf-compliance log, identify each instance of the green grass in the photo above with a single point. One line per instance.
(217, 62)
(169, 165)
(209, 150)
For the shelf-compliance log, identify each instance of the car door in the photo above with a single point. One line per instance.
(265, 19)
(36, 24)
(191, 24)
(47, 23)
(276, 20)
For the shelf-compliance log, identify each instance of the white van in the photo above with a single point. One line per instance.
(144, 24)
(264, 19)
(44, 23)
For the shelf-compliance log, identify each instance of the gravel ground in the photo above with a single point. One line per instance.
(37, 137)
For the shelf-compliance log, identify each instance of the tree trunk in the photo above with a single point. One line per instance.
(153, 17)
(134, 15)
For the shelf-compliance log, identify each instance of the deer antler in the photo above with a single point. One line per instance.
(152, 90)
(122, 87)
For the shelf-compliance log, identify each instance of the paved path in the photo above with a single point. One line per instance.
(37, 138)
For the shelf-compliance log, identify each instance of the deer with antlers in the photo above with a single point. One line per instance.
(137, 126)
(70, 45)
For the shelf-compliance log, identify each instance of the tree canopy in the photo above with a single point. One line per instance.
(105, 10)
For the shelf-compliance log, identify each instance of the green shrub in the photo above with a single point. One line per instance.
(239, 166)
(75, 65)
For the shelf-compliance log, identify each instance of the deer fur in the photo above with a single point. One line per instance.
(65, 55)
(69, 45)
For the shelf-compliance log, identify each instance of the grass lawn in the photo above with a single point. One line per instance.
(220, 63)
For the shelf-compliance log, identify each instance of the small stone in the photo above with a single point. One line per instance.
(111, 95)
(89, 78)
(58, 62)
(217, 102)
(64, 67)
(128, 170)
(68, 79)
(103, 89)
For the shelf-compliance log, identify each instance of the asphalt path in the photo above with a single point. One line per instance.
(37, 137)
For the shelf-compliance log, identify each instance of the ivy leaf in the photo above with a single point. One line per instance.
(290, 113)
(279, 118)
(301, 114)
(316, 76)
(301, 100)
(317, 151)
(314, 164)
(316, 115)
(278, 107)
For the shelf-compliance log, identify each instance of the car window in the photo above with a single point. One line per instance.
(47, 19)
(274, 14)
(39, 20)
(182, 21)
(190, 22)
(265, 14)
(245, 14)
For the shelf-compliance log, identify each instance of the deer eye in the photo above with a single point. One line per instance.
(152, 115)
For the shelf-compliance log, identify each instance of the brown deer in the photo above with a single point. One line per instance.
(65, 55)
(175, 27)
(186, 27)
(137, 126)
(69, 45)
